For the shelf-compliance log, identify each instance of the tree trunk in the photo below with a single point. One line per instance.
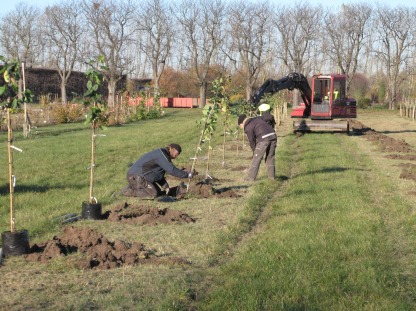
(202, 95)
(248, 90)
(111, 92)
(64, 98)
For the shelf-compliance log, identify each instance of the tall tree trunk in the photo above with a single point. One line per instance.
(64, 98)
(111, 92)
(203, 94)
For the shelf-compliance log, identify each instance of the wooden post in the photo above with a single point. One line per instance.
(277, 114)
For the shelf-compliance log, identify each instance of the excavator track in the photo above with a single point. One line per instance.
(304, 125)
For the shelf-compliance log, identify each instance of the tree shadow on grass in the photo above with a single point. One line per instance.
(333, 169)
(4, 189)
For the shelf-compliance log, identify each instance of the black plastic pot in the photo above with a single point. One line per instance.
(15, 243)
(91, 210)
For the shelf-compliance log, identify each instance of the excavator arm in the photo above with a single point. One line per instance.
(290, 82)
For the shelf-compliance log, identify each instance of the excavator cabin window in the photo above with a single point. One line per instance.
(321, 89)
(339, 89)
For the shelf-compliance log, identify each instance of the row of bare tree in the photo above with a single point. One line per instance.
(254, 39)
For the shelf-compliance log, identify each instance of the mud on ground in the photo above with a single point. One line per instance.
(97, 251)
(203, 189)
(133, 214)
(397, 149)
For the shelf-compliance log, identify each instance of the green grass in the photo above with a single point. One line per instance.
(52, 176)
(331, 242)
(331, 233)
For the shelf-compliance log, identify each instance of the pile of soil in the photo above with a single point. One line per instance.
(384, 142)
(100, 252)
(132, 214)
(408, 171)
(204, 189)
(388, 144)
(238, 168)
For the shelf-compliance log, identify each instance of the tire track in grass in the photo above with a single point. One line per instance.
(258, 207)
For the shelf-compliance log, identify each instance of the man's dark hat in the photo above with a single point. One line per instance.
(241, 119)
(176, 146)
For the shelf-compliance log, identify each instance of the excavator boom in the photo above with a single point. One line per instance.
(322, 103)
(290, 82)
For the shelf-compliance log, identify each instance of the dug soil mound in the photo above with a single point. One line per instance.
(384, 142)
(205, 190)
(397, 149)
(100, 252)
(97, 251)
(132, 214)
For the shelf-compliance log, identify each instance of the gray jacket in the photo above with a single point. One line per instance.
(153, 166)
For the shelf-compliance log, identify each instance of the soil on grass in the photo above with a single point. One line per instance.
(238, 168)
(97, 251)
(397, 149)
(134, 214)
(384, 142)
(203, 189)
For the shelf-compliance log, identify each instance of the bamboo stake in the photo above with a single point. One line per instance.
(198, 147)
(11, 179)
(223, 142)
(209, 157)
(92, 165)
(26, 125)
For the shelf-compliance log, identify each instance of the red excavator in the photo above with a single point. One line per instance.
(326, 101)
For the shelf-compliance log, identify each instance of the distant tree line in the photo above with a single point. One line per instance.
(183, 45)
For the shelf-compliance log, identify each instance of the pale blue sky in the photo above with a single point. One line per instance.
(8, 5)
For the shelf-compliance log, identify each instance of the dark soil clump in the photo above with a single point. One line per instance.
(132, 214)
(384, 142)
(100, 252)
(97, 251)
(238, 168)
(388, 144)
(408, 171)
(205, 190)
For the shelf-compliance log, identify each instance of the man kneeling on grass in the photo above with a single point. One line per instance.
(146, 177)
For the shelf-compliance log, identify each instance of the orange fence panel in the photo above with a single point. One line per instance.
(167, 102)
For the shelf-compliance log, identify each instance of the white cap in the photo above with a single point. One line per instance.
(264, 107)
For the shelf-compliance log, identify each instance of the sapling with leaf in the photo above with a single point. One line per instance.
(239, 108)
(97, 106)
(208, 123)
(226, 111)
(9, 99)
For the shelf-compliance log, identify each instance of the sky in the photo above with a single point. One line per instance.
(9, 5)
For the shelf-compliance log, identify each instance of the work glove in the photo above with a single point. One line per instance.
(166, 188)
(190, 175)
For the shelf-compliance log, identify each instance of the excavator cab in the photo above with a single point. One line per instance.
(329, 98)
(329, 101)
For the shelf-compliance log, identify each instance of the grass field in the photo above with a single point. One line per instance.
(335, 231)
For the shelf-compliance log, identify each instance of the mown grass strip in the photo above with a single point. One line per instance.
(51, 173)
(263, 192)
(331, 243)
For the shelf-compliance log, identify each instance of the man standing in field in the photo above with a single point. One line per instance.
(262, 139)
(265, 114)
(146, 177)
